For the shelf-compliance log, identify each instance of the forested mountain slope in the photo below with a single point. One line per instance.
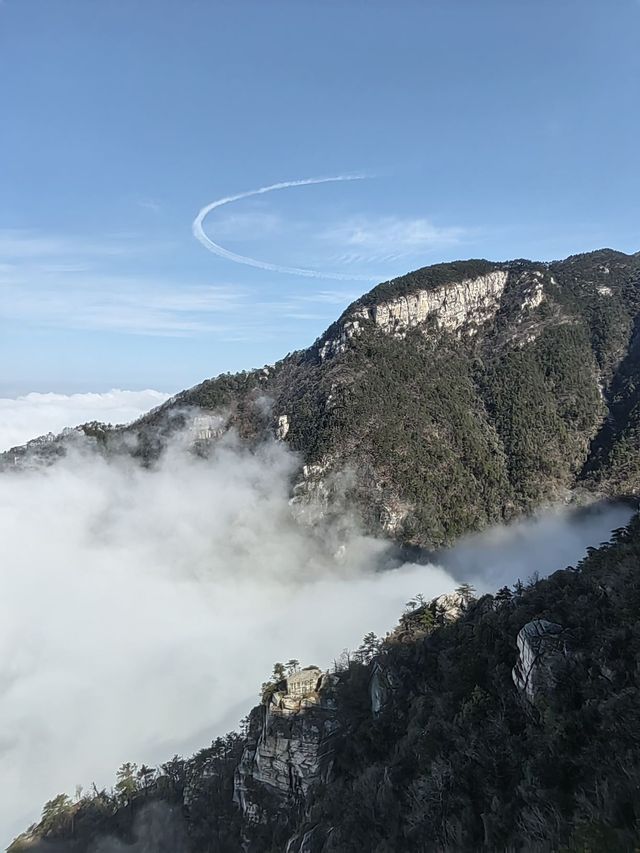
(439, 402)
(450, 398)
(506, 723)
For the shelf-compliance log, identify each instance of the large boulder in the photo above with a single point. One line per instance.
(382, 685)
(541, 652)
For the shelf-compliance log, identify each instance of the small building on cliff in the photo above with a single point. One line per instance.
(303, 682)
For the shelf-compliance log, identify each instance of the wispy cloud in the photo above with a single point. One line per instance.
(366, 239)
(69, 282)
(302, 315)
(249, 225)
(146, 306)
(22, 244)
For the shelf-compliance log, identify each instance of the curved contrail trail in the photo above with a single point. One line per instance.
(217, 249)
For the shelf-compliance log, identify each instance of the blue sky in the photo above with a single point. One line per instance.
(484, 129)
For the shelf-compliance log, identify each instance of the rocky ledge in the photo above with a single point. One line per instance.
(465, 303)
(291, 745)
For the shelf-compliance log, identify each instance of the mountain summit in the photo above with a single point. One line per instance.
(447, 399)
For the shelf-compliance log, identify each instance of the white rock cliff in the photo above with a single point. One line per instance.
(452, 306)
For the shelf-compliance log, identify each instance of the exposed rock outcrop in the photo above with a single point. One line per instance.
(324, 491)
(283, 427)
(534, 293)
(393, 514)
(311, 841)
(292, 749)
(350, 328)
(469, 302)
(541, 649)
(451, 306)
(311, 495)
(451, 605)
(381, 687)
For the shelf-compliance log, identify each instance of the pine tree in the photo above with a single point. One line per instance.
(126, 783)
(145, 775)
(56, 813)
(279, 672)
(466, 593)
(503, 595)
(369, 647)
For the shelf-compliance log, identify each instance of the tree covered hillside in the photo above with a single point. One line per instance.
(438, 749)
(444, 431)
(445, 400)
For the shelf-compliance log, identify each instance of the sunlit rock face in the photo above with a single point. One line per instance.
(467, 303)
(541, 651)
(349, 329)
(451, 306)
(451, 605)
(283, 427)
(293, 745)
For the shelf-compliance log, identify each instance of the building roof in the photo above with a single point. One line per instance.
(310, 674)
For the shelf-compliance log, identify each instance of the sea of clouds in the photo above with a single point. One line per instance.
(26, 417)
(141, 609)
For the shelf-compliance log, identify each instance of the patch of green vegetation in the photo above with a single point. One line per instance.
(544, 402)
(456, 760)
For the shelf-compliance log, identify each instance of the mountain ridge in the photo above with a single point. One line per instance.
(503, 723)
(455, 396)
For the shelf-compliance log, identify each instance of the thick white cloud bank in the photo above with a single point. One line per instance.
(27, 417)
(142, 609)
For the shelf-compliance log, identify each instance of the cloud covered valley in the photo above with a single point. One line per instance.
(31, 415)
(143, 608)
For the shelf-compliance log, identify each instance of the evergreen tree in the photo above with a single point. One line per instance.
(126, 785)
(56, 813)
(466, 593)
(369, 647)
(279, 672)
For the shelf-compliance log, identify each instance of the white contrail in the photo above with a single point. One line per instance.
(217, 249)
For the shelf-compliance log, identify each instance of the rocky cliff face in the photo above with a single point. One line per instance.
(290, 750)
(463, 304)
(382, 684)
(541, 652)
